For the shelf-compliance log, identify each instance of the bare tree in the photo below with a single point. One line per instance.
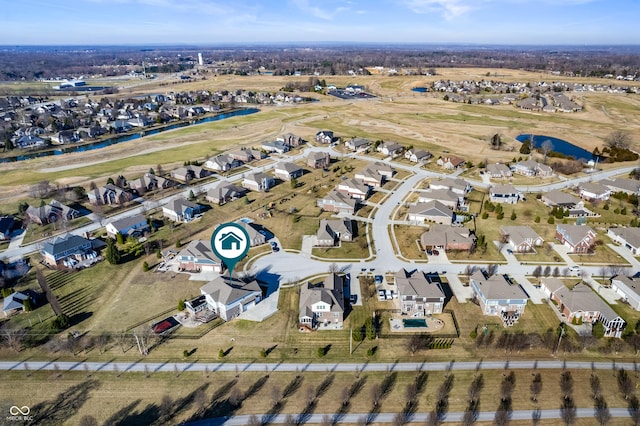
(536, 387)
(601, 412)
(568, 411)
(433, 419)
(88, 420)
(502, 417)
(566, 384)
(596, 389)
(376, 394)
(334, 268)
(101, 342)
(625, 385)
(414, 343)
(276, 395)
(235, 397)
(618, 139)
(476, 387)
(507, 386)
(14, 337)
(545, 149)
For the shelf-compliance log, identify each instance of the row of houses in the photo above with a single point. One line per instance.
(439, 203)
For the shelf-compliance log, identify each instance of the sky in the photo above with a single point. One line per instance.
(211, 22)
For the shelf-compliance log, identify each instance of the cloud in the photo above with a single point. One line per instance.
(448, 8)
(325, 12)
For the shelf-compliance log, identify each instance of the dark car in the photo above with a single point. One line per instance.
(353, 299)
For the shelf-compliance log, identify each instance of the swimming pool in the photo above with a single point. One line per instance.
(414, 323)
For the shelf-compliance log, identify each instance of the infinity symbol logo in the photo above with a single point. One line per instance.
(15, 410)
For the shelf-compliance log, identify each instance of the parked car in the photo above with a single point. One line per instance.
(353, 299)
(575, 270)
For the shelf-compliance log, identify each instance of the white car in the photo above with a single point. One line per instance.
(574, 270)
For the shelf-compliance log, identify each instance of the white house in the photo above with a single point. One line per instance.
(627, 237)
(628, 288)
(230, 297)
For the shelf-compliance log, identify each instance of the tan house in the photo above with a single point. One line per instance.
(450, 162)
(498, 295)
(447, 237)
(338, 202)
(318, 160)
(322, 305)
(332, 231)
(417, 294)
(431, 211)
(577, 238)
(521, 239)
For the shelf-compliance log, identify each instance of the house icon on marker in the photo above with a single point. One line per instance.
(229, 239)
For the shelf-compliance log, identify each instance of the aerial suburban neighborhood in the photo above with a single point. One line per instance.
(396, 222)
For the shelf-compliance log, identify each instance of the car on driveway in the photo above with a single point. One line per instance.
(353, 299)
(574, 271)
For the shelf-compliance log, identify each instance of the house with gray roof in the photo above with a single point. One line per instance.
(431, 211)
(532, 168)
(392, 149)
(225, 192)
(354, 189)
(229, 297)
(322, 305)
(135, 225)
(357, 144)
(457, 185)
(55, 211)
(628, 186)
(447, 237)
(325, 136)
(189, 173)
(108, 195)
(181, 210)
(498, 171)
(577, 238)
(258, 181)
(318, 160)
(521, 239)
(594, 191)
(222, 163)
(6, 227)
(499, 296)
(417, 155)
(287, 171)
(150, 182)
(257, 233)
(445, 196)
(369, 176)
(628, 288)
(332, 231)
(558, 198)
(629, 238)
(278, 146)
(338, 202)
(582, 304)
(198, 256)
(418, 295)
(504, 194)
(68, 251)
(14, 302)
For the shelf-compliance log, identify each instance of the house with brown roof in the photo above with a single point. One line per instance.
(189, 173)
(332, 231)
(322, 305)
(431, 211)
(450, 162)
(222, 163)
(582, 304)
(338, 202)
(629, 238)
(499, 296)
(521, 239)
(418, 295)
(149, 182)
(229, 297)
(577, 238)
(447, 237)
(318, 160)
(55, 211)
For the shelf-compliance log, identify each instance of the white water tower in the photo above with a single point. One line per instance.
(200, 61)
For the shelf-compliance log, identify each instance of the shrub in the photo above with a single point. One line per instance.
(145, 267)
(357, 334)
(263, 353)
(181, 305)
(551, 220)
(159, 254)
(500, 215)
(61, 322)
(485, 215)
(474, 333)
(321, 351)
(178, 244)
(513, 215)
(186, 353)
(606, 206)
(537, 219)
(370, 351)
(220, 353)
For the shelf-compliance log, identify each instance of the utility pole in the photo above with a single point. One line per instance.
(559, 338)
(351, 341)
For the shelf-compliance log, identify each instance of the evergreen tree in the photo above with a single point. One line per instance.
(112, 254)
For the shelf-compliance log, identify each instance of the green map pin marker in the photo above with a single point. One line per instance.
(230, 242)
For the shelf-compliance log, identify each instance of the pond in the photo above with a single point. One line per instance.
(420, 89)
(125, 138)
(558, 145)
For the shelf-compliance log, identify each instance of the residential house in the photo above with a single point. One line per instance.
(369, 177)
(292, 140)
(392, 149)
(325, 136)
(15, 302)
(28, 142)
(457, 185)
(499, 296)
(257, 233)
(67, 251)
(532, 168)
(181, 210)
(149, 182)
(431, 211)
(383, 169)
(450, 162)
(628, 288)
(108, 195)
(628, 186)
(225, 192)
(222, 163)
(338, 202)
(504, 194)
(445, 196)
(581, 304)
(550, 285)
(417, 155)
(594, 191)
(447, 237)
(65, 136)
(243, 155)
(258, 182)
(627, 237)
(498, 171)
(521, 239)
(418, 295)
(91, 131)
(357, 144)
(318, 160)
(229, 297)
(189, 173)
(287, 171)
(332, 231)
(322, 304)
(6, 227)
(276, 146)
(354, 189)
(577, 238)
(52, 212)
(135, 225)
(557, 198)
(198, 256)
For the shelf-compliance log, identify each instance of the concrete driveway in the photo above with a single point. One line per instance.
(462, 293)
